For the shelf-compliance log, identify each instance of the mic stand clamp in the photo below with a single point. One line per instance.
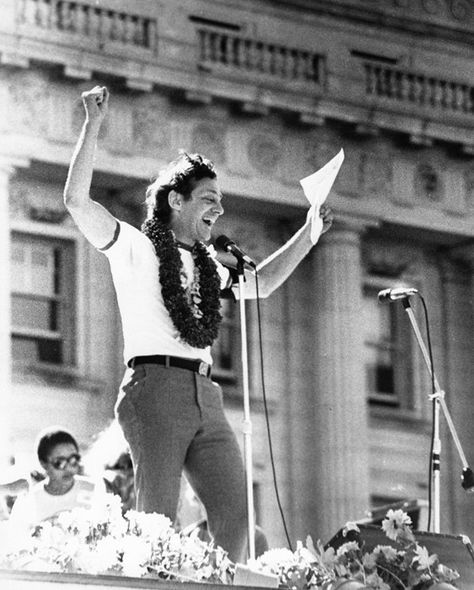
(247, 424)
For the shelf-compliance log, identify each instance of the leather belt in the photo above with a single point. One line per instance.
(172, 361)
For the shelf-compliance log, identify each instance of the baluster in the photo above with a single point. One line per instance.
(404, 86)
(306, 73)
(259, 55)
(127, 29)
(224, 49)
(43, 13)
(378, 80)
(139, 37)
(289, 63)
(213, 46)
(251, 55)
(242, 52)
(421, 83)
(81, 20)
(469, 99)
(37, 15)
(105, 25)
(298, 65)
(65, 16)
(448, 95)
(389, 86)
(116, 28)
(458, 97)
(68, 16)
(23, 12)
(235, 57)
(437, 93)
(53, 14)
(29, 12)
(205, 45)
(151, 34)
(267, 59)
(369, 79)
(429, 92)
(280, 62)
(94, 22)
(384, 81)
(73, 11)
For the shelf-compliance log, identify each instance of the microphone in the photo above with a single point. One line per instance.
(229, 245)
(395, 294)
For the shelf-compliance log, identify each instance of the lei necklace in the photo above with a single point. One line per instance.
(194, 311)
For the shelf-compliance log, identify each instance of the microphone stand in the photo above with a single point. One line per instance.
(438, 400)
(247, 424)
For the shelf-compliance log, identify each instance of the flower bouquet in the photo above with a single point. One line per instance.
(402, 565)
(103, 541)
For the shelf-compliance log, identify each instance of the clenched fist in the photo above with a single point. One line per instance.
(96, 103)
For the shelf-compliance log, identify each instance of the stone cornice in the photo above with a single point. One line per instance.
(449, 20)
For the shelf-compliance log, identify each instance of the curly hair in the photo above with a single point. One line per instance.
(49, 438)
(180, 176)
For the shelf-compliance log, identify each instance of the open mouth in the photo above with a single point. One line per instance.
(209, 222)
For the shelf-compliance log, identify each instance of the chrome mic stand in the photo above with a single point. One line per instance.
(247, 424)
(438, 400)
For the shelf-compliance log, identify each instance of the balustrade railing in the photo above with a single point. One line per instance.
(418, 89)
(252, 56)
(97, 22)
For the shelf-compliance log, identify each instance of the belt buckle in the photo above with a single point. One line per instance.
(203, 368)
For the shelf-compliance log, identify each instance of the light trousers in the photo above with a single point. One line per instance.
(173, 419)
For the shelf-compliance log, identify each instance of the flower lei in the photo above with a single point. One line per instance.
(194, 312)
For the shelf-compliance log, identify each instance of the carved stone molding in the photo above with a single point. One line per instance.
(210, 140)
(376, 173)
(428, 182)
(150, 129)
(264, 153)
(29, 97)
(469, 185)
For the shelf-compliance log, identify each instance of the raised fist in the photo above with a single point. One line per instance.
(96, 102)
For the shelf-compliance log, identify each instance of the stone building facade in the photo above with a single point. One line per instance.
(270, 90)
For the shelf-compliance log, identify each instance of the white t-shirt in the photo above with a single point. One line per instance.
(147, 326)
(37, 504)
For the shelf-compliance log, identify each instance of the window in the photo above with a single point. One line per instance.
(387, 351)
(224, 350)
(42, 289)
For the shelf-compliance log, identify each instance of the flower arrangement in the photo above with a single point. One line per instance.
(403, 565)
(103, 541)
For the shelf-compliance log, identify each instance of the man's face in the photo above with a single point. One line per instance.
(193, 219)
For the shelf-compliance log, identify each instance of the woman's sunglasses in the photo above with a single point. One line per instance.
(61, 462)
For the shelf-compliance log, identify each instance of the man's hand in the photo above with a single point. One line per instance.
(96, 102)
(326, 215)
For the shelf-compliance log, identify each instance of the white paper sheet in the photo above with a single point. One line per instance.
(316, 187)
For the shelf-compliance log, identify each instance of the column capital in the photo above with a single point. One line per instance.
(464, 253)
(358, 224)
(348, 228)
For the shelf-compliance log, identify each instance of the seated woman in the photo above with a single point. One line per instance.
(63, 488)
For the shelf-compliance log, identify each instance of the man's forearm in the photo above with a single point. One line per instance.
(274, 270)
(82, 164)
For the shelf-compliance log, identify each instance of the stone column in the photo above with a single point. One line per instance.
(457, 275)
(338, 450)
(6, 170)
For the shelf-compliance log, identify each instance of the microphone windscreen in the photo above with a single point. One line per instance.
(223, 242)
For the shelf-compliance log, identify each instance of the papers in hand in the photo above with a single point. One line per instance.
(316, 187)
